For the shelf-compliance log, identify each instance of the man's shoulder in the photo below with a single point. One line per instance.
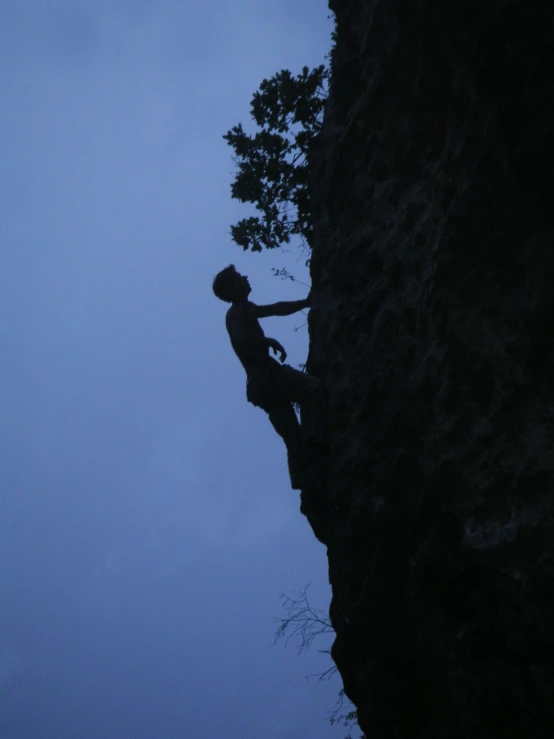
(240, 309)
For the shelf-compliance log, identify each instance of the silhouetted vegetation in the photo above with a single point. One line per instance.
(303, 623)
(273, 164)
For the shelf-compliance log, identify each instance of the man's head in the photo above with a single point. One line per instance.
(230, 286)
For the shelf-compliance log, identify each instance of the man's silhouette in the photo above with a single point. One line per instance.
(270, 385)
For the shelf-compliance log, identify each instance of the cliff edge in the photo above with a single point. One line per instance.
(432, 328)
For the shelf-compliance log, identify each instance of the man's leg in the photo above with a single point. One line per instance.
(308, 391)
(284, 421)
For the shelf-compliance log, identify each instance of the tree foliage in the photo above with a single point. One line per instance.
(272, 165)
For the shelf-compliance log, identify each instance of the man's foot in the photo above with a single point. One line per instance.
(300, 470)
(314, 444)
(303, 468)
(312, 421)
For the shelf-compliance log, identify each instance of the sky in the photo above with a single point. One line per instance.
(147, 527)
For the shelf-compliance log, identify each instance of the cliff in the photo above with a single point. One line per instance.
(432, 328)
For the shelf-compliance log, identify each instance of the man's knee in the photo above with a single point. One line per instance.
(296, 385)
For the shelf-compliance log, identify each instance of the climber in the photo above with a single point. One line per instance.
(272, 386)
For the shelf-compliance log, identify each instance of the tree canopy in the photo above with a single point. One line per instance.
(273, 165)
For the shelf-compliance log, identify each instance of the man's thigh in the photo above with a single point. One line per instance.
(294, 385)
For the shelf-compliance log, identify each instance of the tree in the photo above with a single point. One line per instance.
(273, 164)
(306, 623)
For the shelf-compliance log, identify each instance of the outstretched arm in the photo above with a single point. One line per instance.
(283, 308)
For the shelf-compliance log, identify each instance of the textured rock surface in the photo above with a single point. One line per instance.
(432, 326)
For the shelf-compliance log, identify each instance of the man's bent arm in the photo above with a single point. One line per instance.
(283, 308)
(246, 338)
(242, 333)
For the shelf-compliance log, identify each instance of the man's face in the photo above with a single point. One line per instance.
(242, 287)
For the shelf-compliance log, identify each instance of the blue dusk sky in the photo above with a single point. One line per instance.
(147, 527)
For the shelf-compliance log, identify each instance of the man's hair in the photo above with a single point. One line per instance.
(223, 282)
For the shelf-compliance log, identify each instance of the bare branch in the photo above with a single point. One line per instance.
(303, 621)
(325, 675)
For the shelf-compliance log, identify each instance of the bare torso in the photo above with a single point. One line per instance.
(247, 336)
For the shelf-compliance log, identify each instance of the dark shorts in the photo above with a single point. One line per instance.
(272, 384)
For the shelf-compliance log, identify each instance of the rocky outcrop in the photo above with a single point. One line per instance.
(432, 327)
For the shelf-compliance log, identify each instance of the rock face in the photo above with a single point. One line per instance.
(432, 327)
